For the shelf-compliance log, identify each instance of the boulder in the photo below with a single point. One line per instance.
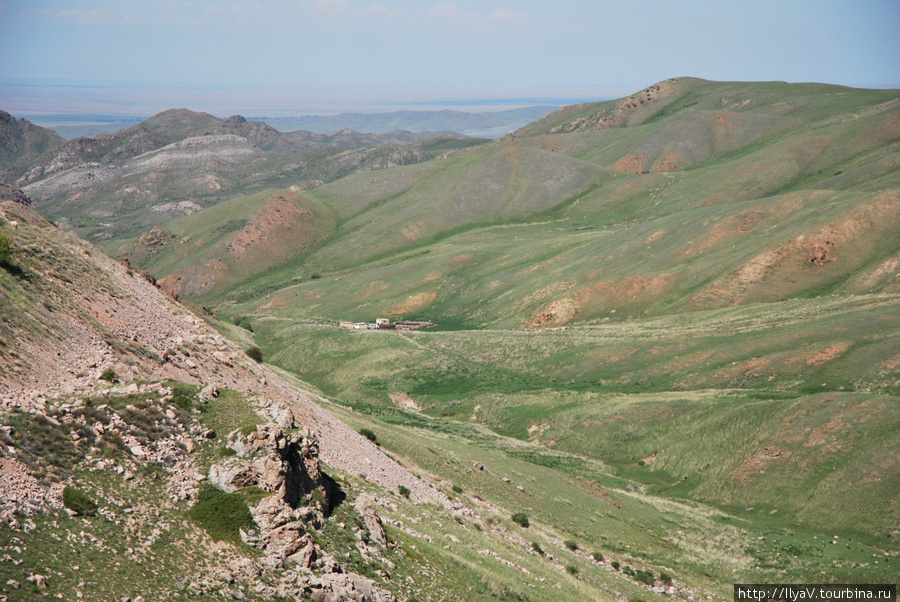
(365, 506)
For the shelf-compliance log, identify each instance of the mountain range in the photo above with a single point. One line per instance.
(665, 355)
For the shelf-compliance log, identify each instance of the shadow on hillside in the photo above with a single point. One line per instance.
(14, 270)
(336, 494)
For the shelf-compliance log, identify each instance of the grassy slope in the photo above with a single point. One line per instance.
(766, 262)
(219, 247)
(795, 171)
(619, 393)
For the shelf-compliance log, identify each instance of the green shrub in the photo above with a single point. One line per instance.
(521, 519)
(571, 545)
(369, 434)
(6, 249)
(457, 489)
(598, 556)
(109, 375)
(243, 323)
(255, 354)
(628, 570)
(221, 514)
(645, 577)
(183, 396)
(665, 578)
(403, 491)
(615, 564)
(537, 548)
(79, 502)
(572, 569)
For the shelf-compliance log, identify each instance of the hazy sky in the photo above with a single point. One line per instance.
(303, 56)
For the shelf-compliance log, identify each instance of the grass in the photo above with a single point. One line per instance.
(129, 536)
(222, 514)
(691, 406)
(644, 531)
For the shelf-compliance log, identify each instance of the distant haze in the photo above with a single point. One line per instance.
(303, 57)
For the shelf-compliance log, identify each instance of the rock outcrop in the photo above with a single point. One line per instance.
(287, 466)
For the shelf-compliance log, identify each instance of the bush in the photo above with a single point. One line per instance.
(537, 548)
(403, 491)
(183, 396)
(665, 578)
(221, 514)
(572, 569)
(79, 502)
(571, 545)
(521, 519)
(598, 556)
(457, 489)
(6, 249)
(254, 354)
(615, 564)
(645, 577)
(109, 375)
(369, 434)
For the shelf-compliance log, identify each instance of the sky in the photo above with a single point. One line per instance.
(280, 57)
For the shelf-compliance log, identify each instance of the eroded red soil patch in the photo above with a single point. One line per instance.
(633, 163)
(792, 260)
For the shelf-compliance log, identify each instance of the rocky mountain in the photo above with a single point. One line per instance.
(21, 144)
(113, 187)
(175, 126)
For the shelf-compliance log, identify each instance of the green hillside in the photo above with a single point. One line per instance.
(624, 279)
(688, 298)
